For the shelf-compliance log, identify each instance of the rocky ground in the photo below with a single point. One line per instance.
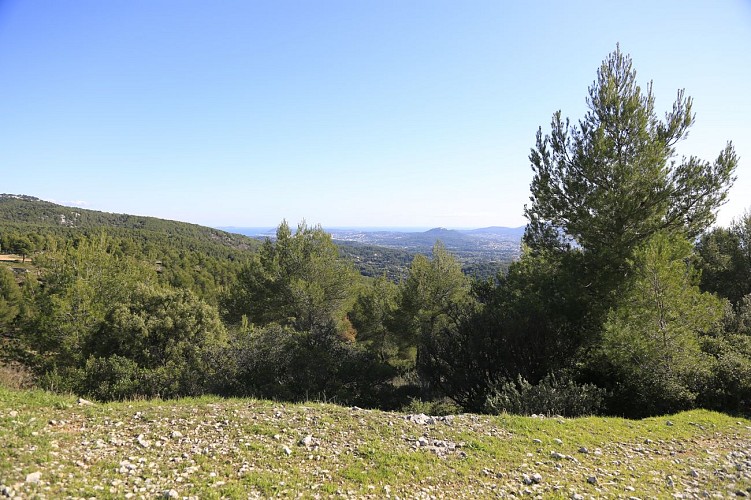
(58, 447)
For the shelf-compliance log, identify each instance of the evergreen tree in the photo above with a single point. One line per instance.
(652, 337)
(608, 184)
(10, 300)
(724, 258)
(298, 280)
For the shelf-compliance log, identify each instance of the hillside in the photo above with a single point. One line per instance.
(199, 258)
(54, 446)
(21, 211)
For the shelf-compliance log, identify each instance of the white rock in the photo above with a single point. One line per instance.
(307, 441)
(34, 477)
(84, 402)
(176, 434)
(287, 451)
(142, 441)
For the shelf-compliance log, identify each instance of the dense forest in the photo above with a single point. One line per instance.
(625, 300)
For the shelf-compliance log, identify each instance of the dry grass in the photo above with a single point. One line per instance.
(13, 258)
(15, 376)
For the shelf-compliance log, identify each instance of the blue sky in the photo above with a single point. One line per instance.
(345, 113)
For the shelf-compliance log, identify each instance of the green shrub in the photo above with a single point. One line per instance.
(551, 396)
(437, 407)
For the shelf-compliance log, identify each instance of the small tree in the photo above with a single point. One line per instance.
(23, 246)
(651, 337)
(297, 280)
(371, 315)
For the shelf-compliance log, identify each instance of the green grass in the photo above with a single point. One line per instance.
(217, 448)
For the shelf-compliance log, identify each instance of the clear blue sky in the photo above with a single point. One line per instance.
(345, 113)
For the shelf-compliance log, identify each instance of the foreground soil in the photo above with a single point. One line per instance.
(60, 447)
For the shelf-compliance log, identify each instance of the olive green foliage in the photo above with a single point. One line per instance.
(728, 348)
(157, 343)
(372, 316)
(279, 362)
(651, 339)
(550, 396)
(528, 324)
(612, 181)
(297, 280)
(724, 257)
(611, 208)
(81, 282)
(185, 255)
(10, 300)
(433, 300)
(432, 297)
(101, 325)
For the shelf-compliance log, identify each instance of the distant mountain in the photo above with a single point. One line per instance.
(494, 244)
(517, 232)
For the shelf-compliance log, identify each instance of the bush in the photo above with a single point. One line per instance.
(159, 343)
(551, 396)
(112, 378)
(436, 407)
(279, 362)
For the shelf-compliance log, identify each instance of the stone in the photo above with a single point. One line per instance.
(421, 419)
(592, 480)
(287, 451)
(142, 441)
(170, 494)
(13, 414)
(307, 441)
(176, 435)
(584, 450)
(34, 477)
(558, 441)
(84, 402)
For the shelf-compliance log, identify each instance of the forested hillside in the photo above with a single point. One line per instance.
(625, 299)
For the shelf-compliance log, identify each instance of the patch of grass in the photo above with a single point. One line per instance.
(234, 448)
